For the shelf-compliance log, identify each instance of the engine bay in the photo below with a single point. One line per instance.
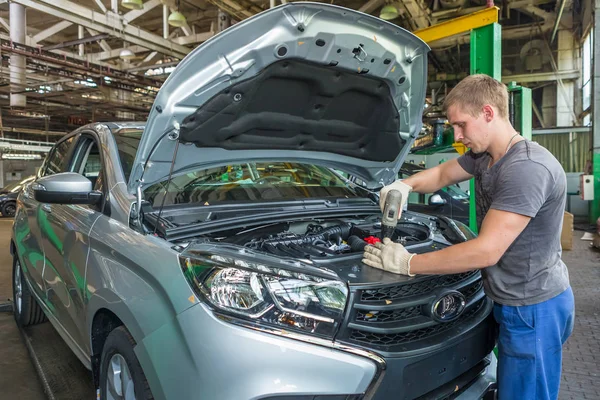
(321, 239)
(325, 238)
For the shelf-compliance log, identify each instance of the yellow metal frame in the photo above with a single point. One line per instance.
(459, 25)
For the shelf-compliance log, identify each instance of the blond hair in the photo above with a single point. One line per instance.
(475, 91)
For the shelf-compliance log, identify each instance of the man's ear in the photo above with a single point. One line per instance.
(488, 112)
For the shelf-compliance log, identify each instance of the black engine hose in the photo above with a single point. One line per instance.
(341, 231)
(356, 244)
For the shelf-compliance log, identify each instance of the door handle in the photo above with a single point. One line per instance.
(47, 208)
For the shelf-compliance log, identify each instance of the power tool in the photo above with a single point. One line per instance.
(391, 211)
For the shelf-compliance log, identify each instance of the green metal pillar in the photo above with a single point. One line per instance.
(522, 108)
(486, 58)
(594, 209)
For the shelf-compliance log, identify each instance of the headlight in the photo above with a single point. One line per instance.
(258, 294)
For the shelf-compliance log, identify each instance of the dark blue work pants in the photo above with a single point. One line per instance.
(530, 347)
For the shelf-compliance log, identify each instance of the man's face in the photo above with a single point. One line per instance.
(470, 131)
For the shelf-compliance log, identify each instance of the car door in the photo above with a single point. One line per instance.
(66, 244)
(30, 220)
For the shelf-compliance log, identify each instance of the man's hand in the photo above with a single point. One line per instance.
(400, 186)
(388, 256)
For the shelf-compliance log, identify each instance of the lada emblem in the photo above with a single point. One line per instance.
(448, 306)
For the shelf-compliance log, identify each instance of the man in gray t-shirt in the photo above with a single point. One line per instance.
(520, 192)
(527, 180)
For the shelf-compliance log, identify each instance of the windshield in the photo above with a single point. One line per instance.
(128, 141)
(243, 182)
(252, 181)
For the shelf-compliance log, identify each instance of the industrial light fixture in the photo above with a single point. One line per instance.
(126, 54)
(132, 4)
(389, 12)
(24, 156)
(176, 19)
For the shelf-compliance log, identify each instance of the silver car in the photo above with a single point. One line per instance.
(214, 253)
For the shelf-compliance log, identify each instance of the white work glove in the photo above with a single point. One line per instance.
(400, 186)
(388, 256)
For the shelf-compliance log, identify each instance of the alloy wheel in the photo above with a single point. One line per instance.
(119, 380)
(11, 210)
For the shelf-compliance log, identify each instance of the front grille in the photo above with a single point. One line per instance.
(378, 339)
(426, 286)
(472, 289)
(398, 315)
(388, 316)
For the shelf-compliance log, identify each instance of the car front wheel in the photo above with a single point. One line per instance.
(26, 309)
(121, 376)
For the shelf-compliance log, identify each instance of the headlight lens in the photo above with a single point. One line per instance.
(270, 296)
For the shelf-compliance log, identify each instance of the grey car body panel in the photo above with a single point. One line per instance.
(148, 286)
(244, 50)
(27, 238)
(66, 244)
(231, 375)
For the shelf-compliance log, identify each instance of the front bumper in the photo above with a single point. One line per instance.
(199, 355)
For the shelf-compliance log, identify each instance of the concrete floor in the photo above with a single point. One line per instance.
(581, 362)
(18, 378)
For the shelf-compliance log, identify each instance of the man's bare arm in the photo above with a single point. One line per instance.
(498, 231)
(432, 179)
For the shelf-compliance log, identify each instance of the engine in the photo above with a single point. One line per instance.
(326, 238)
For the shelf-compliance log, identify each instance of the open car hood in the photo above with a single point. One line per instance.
(305, 82)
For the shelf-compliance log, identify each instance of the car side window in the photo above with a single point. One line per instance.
(57, 160)
(87, 161)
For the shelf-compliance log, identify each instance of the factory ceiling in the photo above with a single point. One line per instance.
(100, 60)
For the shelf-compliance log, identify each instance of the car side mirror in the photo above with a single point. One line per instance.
(436, 200)
(65, 188)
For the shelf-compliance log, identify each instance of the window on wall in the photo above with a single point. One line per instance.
(586, 69)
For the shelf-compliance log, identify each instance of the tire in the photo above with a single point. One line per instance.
(9, 209)
(119, 361)
(27, 311)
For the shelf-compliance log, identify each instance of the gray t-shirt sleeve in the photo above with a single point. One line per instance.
(522, 188)
(467, 162)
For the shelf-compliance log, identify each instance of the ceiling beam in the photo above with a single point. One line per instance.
(371, 6)
(109, 23)
(150, 57)
(101, 6)
(195, 38)
(149, 5)
(54, 29)
(417, 12)
(542, 77)
(534, 11)
(105, 46)
(76, 42)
